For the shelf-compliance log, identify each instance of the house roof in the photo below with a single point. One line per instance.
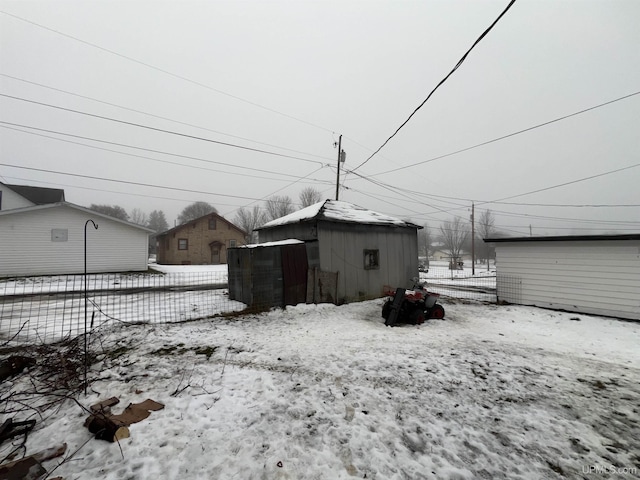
(191, 222)
(91, 213)
(564, 238)
(38, 195)
(338, 212)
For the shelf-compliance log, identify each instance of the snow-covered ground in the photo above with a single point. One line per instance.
(328, 392)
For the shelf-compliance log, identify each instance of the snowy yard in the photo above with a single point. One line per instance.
(327, 392)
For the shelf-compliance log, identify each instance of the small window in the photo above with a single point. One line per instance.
(371, 259)
(232, 243)
(212, 224)
(183, 244)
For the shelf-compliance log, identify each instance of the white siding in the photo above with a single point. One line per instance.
(10, 199)
(600, 277)
(26, 246)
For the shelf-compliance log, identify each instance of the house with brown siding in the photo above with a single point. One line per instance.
(203, 241)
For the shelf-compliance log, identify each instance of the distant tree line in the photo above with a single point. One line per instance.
(248, 219)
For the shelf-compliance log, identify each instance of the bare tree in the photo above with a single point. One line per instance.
(195, 210)
(309, 196)
(278, 206)
(486, 229)
(249, 220)
(454, 233)
(111, 210)
(139, 217)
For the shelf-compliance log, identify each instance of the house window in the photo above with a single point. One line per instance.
(232, 243)
(371, 259)
(212, 224)
(183, 244)
(59, 234)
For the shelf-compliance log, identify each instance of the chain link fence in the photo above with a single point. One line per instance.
(50, 308)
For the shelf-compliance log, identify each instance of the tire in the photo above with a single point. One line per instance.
(416, 317)
(437, 311)
(386, 309)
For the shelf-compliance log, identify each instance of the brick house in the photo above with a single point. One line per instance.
(203, 241)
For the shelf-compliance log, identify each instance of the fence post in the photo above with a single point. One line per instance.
(85, 302)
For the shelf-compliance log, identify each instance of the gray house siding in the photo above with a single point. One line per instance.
(591, 276)
(50, 241)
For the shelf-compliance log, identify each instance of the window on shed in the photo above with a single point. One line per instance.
(371, 259)
(212, 224)
(183, 244)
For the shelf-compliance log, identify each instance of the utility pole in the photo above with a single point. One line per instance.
(473, 239)
(341, 158)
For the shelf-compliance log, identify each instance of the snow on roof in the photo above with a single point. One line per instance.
(290, 241)
(337, 211)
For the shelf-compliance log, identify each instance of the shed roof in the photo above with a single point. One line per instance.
(564, 238)
(338, 212)
(279, 243)
(38, 195)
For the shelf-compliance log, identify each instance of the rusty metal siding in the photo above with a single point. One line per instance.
(294, 273)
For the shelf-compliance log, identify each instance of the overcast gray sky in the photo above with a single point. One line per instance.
(290, 77)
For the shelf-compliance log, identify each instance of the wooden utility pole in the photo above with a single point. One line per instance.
(473, 239)
(339, 159)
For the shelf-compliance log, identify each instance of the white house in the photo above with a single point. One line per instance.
(49, 239)
(597, 274)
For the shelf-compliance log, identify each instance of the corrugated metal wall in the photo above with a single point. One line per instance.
(26, 246)
(599, 277)
(342, 250)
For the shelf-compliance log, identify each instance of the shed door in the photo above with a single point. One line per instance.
(294, 273)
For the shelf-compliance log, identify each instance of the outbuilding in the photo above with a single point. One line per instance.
(352, 251)
(596, 274)
(49, 239)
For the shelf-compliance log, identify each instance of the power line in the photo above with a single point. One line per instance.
(251, 169)
(160, 117)
(508, 135)
(566, 183)
(464, 57)
(161, 130)
(127, 182)
(166, 72)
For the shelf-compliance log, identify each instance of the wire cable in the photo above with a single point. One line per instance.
(161, 130)
(508, 135)
(464, 57)
(251, 169)
(166, 72)
(160, 117)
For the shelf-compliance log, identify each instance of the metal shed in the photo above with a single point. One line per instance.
(269, 275)
(361, 250)
(597, 274)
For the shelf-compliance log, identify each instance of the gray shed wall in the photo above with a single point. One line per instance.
(342, 250)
